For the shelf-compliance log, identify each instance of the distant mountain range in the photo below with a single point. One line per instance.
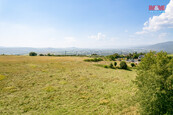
(166, 46)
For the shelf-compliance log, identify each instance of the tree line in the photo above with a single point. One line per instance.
(115, 56)
(49, 54)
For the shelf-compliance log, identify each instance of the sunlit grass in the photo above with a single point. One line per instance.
(2, 77)
(170, 55)
(64, 85)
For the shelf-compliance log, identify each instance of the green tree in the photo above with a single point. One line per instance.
(115, 64)
(123, 65)
(116, 55)
(49, 54)
(128, 57)
(41, 54)
(132, 64)
(111, 65)
(135, 56)
(111, 58)
(32, 54)
(155, 84)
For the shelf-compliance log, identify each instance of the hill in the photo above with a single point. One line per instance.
(166, 46)
(63, 51)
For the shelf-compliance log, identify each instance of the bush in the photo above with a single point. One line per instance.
(111, 65)
(41, 54)
(155, 84)
(105, 66)
(49, 54)
(135, 56)
(115, 64)
(94, 60)
(111, 58)
(123, 65)
(132, 64)
(32, 54)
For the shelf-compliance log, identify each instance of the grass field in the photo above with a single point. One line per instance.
(170, 55)
(64, 85)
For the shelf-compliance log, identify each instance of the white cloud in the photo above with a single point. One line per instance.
(99, 36)
(164, 20)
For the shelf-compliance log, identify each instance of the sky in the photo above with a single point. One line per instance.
(84, 23)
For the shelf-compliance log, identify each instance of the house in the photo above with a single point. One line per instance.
(140, 57)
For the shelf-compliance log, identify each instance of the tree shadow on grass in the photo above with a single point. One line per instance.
(128, 69)
(115, 68)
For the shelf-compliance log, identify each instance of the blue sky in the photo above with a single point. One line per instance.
(84, 23)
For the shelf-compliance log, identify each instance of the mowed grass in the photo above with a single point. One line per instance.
(64, 85)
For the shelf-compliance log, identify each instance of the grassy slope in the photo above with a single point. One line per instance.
(63, 85)
(170, 55)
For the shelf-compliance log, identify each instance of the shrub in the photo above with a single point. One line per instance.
(94, 60)
(111, 58)
(155, 84)
(32, 54)
(135, 56)
(132, 64)
(41, 54)
(49, 54)
(111, 65)
(94, 55)
(115, 64)
(105, 66)
(123, 65)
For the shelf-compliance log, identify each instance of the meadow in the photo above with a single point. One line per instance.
(170, 55)
(64, 85)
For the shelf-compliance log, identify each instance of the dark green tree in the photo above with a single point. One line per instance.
(41, 54)
(135, 56)
(105, 66)
(49, 54)
(123, 65)
(32, 54)
(155, 84)
(116, 55)
(132, 64)
(111, 58)
(115, 64)
(111, 65)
